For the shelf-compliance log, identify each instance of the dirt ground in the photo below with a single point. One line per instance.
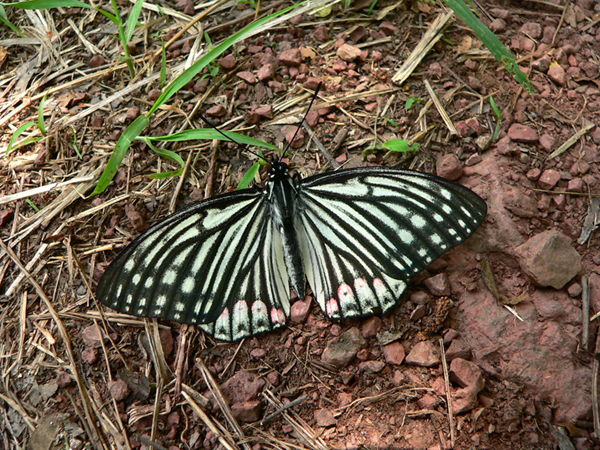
(505, 320)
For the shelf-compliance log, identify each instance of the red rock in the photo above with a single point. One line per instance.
(97, 61)
(466, 374)
(575, 290)
(340, 351)
(534, 174)
(64, 379)
(549, 179)
(293, 137)
(300, 310)
(503, 14)
(189, 9)
(273, 378)
(242, 387)
(420, 298)
(248, 411)
(266, 72)
(90, 355)
(497, 26)
(449, 167)
(312, 118)
(580, 167)
(321, 33)
(324, 418)
(290, 58)
(458, 349)
(398, 378)
(216, 111)
(228, 62)
(506, 146)
(154, 94)
(557, 74)
(438, 285)
(248, 77)
(119, 390)
(549, 259)
(419, 312)
(575, 185)
(344, 399)
(348, 52)
(137, 220)
(388, 28)
(265, 111)
(91, 336)
(6, 216)
(371, 327)
(258, 353)
(424, 354)
(522, 133)
(428, 401)
(371, 366)
(394, 353)
(439, 386)
(436, 70)
(464, 400)
(547, 142)
(475, 158)
(166, 340)
(532, 29)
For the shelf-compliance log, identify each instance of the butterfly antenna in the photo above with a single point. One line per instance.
(230, 139)
(304, 118)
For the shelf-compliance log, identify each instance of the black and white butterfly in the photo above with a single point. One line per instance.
(227, 264)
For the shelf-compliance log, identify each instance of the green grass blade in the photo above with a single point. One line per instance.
(5, 21)
(495, 46)
(190, 73)
(170, 156)
(41, 125)
(47, 4)
(18, 133)
(132, 20)
(133, 131)
(400, 145)
(210, 133)
(249, 176)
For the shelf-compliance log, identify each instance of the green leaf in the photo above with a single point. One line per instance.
(190, 73)
(123, 144)
(18, 133)
(494, 45)
(211, 133)
(411, 101)
(163, 66)
(41, 124)
(249, 176)
(499, 116)
(132, 20)
(168, 155)
(400, 145)
(5, 21)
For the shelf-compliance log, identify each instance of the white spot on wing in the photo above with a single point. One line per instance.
(136, 278)
(418, 222)
(188, 285)
(148, 282)
(169, 277)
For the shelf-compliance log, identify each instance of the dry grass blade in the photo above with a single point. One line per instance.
(224, 438)
(304, 432)
(572, 140)
(72, 365)
(225, 409)
(427, 42)
(440, 108)
(448, 395)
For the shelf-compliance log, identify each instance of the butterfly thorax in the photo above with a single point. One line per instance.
(282, 192)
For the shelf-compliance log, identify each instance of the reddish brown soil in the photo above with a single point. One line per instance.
(536, 373)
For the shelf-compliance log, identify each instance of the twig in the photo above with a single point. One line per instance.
(291, 404)
(440, 108)
(448, 396)
(563, 148)
(319, 144)
(585, 306)
(427, 42)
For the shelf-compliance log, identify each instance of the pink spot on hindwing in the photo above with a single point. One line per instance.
(259, 308)
(360, 284)
(344, 291)
(241, 306)
(333, 307)
(225, 313)
(277, 316)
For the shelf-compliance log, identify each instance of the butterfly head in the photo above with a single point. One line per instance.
(278, 170)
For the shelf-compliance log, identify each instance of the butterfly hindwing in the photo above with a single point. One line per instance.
(364, 232)
(218, 262)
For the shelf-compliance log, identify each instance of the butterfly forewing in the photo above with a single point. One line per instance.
(364, 232)
(218, 262)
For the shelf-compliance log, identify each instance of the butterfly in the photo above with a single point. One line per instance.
(228, 263)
